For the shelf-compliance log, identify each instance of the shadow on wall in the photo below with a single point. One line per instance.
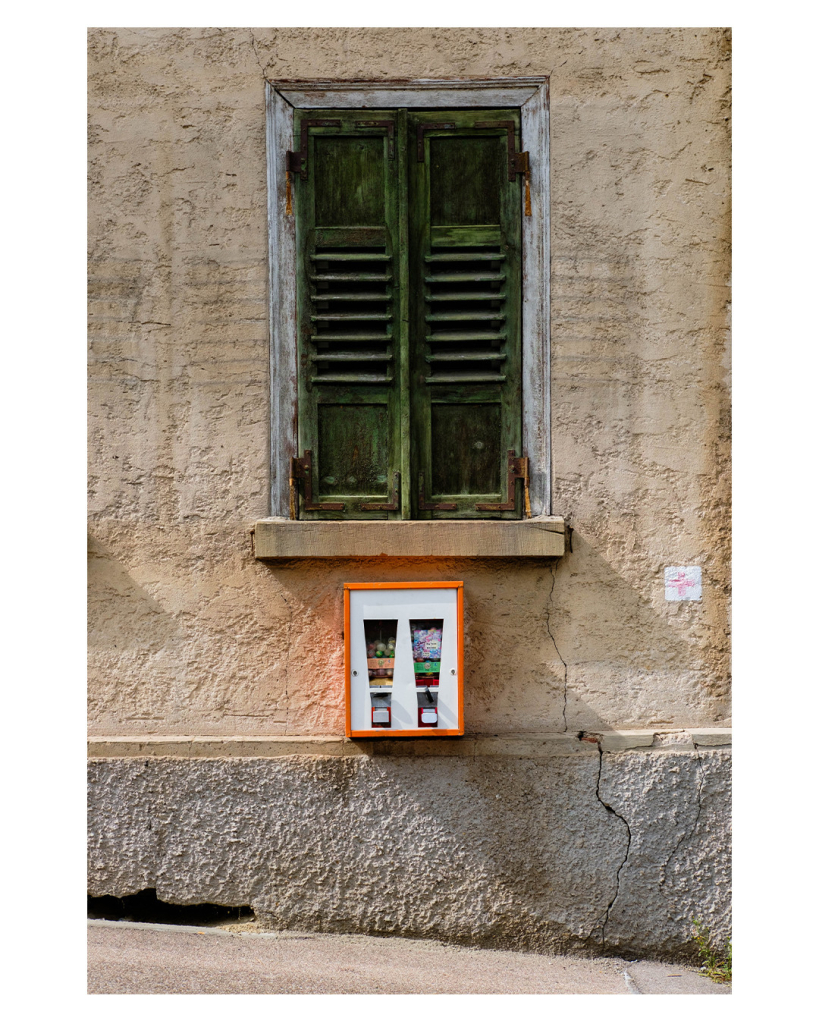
(132, 643)
(558, 647)
(548, 647)
(122, 614)
(193, 647)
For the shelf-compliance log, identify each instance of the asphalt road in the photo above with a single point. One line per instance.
(130, 958)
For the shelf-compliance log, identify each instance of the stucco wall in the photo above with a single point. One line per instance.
(545, 842)
(187, 632)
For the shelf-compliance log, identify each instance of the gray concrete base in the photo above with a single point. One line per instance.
(610, 853)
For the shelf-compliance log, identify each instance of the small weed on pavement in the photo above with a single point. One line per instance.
(716, 963)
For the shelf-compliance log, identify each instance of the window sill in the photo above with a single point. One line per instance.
(541, 537)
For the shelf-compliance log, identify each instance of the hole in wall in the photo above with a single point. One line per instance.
(145, 908)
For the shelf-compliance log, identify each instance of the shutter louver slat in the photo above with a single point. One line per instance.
(460, 257)
(346, 257)
(350, 277)
(458, 277)
(465, 296)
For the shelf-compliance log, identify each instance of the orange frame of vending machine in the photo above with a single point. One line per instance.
(380, 734)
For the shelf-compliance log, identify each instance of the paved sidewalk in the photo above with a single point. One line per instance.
(143, 958)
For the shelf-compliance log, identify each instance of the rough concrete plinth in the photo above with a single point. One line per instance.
(603, 853)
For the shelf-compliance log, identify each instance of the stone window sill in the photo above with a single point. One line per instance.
(540, 537)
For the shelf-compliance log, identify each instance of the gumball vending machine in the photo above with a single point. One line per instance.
(403, 659)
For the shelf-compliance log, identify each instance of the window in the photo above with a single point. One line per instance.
(401, 249)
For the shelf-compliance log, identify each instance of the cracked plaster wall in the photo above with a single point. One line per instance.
(187, 632)
(189, 635)
(598, 852)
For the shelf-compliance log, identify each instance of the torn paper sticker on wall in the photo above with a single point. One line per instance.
(683, 583)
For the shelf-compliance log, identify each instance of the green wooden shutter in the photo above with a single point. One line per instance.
(465, 279)
(348, 237)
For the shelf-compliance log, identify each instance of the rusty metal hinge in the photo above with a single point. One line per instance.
(429, 506)
(516, 469)
(295, 163)
(302, 469)
(384, 506)
(517, 163)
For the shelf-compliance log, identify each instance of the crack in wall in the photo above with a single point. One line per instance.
(262, 67)
(611, 810)
(693, 831)
(557, 649)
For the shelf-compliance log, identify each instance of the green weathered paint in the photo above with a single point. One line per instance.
(465, 228)
(349, 293)
(409, 295)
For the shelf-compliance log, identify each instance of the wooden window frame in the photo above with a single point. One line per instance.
(531, 96)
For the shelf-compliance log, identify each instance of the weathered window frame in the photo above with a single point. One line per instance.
(531, 95)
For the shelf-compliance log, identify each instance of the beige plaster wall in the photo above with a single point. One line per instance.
(188, 633)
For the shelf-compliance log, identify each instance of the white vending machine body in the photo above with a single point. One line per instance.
(403, 659)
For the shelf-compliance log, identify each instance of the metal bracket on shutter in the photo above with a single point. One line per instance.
(516, 469)
(295, 162)
(392, 506)
(429, 128)
(389, 125)
(302, 469)
(518, 163)
(429, 506)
